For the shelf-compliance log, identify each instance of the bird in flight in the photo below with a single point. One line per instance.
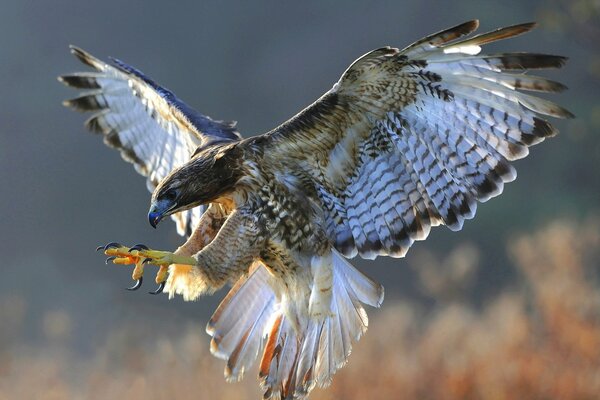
(405, 140)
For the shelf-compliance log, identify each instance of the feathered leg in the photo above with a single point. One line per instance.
(319, 304)
(228, 256)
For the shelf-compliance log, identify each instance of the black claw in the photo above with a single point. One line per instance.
(109, 259)
(138, 284)
(99, 248)
(112, 245)
(139, 247)
(159, 289)
(146, 260)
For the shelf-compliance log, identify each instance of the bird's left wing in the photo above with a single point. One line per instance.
(409, 139)
(147, 123)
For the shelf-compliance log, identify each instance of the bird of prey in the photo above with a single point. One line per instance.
(405, 140)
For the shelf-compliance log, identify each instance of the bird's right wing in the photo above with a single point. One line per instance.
(147, 123)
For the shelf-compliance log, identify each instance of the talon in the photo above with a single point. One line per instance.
(109, 259)
(112, 245)
(99, 248)
(146, 260)
(159, 289)
(138, 247)
(138, 284)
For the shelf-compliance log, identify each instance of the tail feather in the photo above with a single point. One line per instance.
(272, 347)
(299, 351)
(279, 361)
(365, 289)
(294, 363)
(238, 325)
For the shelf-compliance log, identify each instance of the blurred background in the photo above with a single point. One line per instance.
(507, 308)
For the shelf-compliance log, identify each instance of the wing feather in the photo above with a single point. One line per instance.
(414, 138)
(147, 123)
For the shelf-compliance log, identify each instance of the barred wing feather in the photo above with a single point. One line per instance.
(147, 123)
(414, 138)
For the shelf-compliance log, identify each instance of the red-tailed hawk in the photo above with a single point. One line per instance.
(405, 140)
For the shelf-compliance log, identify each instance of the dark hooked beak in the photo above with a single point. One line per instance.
(159, 210)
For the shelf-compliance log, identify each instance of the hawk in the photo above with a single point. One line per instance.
(406, 140)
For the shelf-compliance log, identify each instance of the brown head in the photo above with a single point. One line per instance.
(211, 173)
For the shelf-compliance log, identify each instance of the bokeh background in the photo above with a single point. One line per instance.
(507, 308)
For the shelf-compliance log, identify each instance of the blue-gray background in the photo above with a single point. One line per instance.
(64, 192)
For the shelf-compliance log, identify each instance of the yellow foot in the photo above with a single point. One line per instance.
(139, 255)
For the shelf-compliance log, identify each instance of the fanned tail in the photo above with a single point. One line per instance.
(297, 355)
(293, 363)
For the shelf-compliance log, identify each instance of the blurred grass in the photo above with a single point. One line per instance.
(538, 339)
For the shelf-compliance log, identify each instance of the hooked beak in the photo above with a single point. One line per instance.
(159, 210)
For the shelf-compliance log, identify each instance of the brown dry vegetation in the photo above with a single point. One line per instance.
(539, 339)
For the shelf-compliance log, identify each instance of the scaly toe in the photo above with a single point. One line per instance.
(120, 251)
(125, 260)
(151, 256)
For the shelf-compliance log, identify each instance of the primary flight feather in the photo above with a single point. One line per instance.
(405, 140)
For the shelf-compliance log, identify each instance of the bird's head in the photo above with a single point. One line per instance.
(210, 174)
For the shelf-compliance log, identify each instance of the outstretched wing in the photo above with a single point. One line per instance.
(410, 139)
(147, 123)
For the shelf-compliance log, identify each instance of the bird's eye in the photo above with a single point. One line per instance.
(170, 194)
